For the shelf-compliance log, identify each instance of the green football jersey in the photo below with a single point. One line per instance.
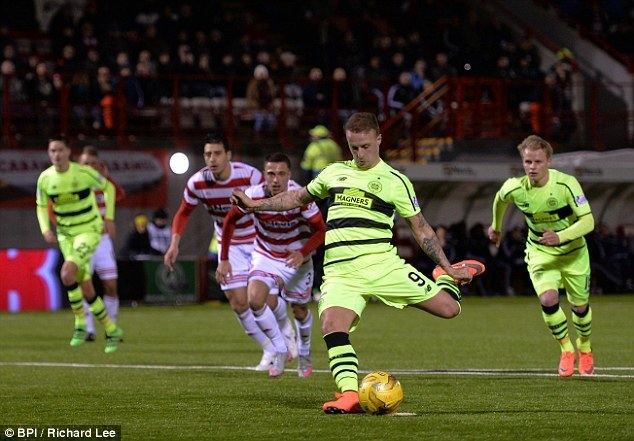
(361, 208)
(555, 206)
(74, 203)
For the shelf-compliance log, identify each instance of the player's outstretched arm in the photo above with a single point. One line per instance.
(178, 228)
(172, 252)
(498, 211)
(494, 236)
(281, 202)
(429, 243)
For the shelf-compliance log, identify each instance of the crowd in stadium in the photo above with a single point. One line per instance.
(378, 55)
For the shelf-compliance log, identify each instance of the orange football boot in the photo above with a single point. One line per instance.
(567, 364)
(346, 402)
(586, 364)
(475, 268)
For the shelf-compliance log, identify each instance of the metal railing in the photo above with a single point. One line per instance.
(458, 107)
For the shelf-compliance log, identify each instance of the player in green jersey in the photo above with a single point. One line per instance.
(558, 216)
(360, 262)
(68, 186)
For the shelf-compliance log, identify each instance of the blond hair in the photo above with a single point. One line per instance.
(362, 122)
(534, 143)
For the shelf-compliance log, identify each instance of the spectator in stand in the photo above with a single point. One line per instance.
(137, 244)
(264, 58)
(163, 69)
(441, 67)
(132, 89)
(8, 79)
(227, 68)
(377, 82)
(122, 61)
(43, 92)
(105, 90)
(185, 65)
(260, 95)
(68, 61)
(289, 71)
(342, 93)
(160, 232)
(528, 51)
(315, 95)
(559, 87)
(152, 42)
(321, 152)
(203, 69)
(529, 94)
(244, 69)
(85, 97)
(93, 60)
(400, 94)
(146, 58)
(504, 69)
(40, 86)
(396, 66)
(87, 39)
(9, 53)
(419, 75)
(149, 85)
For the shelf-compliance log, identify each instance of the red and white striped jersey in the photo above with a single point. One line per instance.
(280, 232)
(203, 188)
(101, 197)
(101, 202)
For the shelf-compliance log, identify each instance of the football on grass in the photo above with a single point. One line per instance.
(380, 393)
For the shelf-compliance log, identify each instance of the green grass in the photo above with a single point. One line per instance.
(215, 403)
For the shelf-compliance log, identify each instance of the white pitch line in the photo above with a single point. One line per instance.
(403, 372)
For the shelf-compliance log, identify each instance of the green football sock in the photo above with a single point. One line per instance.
(343, 361)
(75, 298)
(98, 309)
(583, 325)
(447, 283)
(557, 323)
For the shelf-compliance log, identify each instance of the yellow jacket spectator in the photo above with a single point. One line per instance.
(321, 152)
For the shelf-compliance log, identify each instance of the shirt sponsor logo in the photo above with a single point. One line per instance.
(545, 217)
(66, 198)
(581, 199)
(353, 197)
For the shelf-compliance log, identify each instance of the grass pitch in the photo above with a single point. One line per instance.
(181, 374)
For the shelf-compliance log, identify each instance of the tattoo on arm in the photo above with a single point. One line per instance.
(286, 200)
(427, 239)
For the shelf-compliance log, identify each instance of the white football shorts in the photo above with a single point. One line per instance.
(295, 285)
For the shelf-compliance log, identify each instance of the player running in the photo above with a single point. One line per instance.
(558, 216)
(211, 187)
(284, 244)
(69, 186)
(104, 262)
